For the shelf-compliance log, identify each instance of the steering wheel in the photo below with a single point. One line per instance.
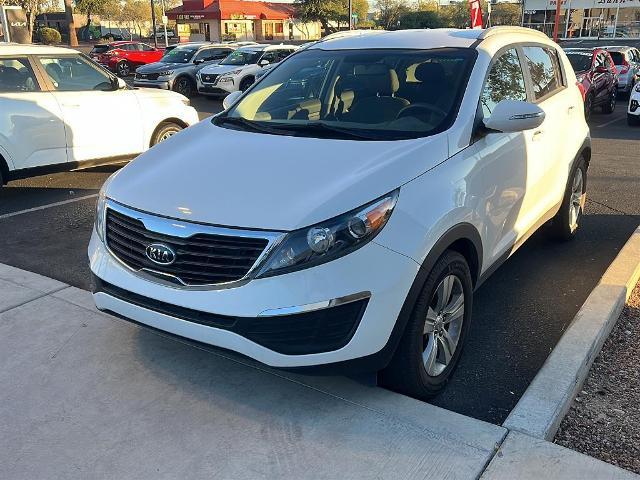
(408, 110)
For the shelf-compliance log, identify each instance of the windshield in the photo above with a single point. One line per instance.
(580, 61)
(242, 57)
(179, 55)
(617, 57)
(362, 94)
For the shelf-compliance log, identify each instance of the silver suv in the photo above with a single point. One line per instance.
(627, 61)
(177, 69)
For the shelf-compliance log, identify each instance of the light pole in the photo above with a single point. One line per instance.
(350, 14)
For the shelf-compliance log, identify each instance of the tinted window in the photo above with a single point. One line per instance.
(72, 73)
(16, 75)
(505, 82)
(145, 48)
(211, 54)
(544, 70)
(618, 58)
(580, 61)
(242, 57)
(179, 55)
(100, 49)
(282, 54)
(271, 56)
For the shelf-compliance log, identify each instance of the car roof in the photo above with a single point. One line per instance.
(424, 38)
(26, 49)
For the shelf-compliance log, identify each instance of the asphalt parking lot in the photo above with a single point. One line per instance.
(519, 314)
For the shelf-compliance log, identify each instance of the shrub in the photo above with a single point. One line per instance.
(50, 36)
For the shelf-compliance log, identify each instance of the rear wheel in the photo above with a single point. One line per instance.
(431, 344)
(184, 86)
(164, 131)
(123, 69)
(566, 222)
(633, 120)
(610, 106)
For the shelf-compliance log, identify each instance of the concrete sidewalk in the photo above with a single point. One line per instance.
(85, 395)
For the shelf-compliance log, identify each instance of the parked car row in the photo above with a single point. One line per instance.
(603, 73)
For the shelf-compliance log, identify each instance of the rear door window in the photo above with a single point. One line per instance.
(618, 58)
(16, 75)
(544, 70)
(505, 82)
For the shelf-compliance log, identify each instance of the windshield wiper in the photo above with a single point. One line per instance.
(250, 124)
(326, 128)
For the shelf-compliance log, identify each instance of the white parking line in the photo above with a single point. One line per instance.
(610, 122)
(50, 205)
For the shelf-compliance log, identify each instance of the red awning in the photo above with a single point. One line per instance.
(231, 10)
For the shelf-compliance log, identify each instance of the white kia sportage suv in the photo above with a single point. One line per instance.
(344, 217)
(61, 111)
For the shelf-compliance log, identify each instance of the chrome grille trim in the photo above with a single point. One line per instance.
(184, 230)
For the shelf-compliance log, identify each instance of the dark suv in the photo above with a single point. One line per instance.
(597, 78)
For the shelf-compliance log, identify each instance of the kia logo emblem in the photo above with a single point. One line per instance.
(160, 254)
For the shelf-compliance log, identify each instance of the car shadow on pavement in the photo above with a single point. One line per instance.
(519, 315)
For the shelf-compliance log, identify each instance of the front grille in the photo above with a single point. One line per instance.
(298, 334)
(209, 78)
(147, 76)
(201, 259)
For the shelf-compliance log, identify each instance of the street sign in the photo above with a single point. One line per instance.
(165, 19)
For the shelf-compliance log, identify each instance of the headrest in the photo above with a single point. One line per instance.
(430, 72)
(378, 78)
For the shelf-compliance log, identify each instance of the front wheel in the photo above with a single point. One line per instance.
(588, 106)
(183, 86)
(431, 344)
(164, 131)
(566, 222)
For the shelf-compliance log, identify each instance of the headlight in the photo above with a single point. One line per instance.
(329, 240)
(166, 73)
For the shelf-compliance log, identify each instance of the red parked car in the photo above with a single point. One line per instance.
(597, 78)
(124, 57)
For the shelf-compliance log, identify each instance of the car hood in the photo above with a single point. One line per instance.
(158, 67)
(220, 176)
(220, 69)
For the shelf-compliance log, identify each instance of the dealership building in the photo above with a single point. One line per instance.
(585, 18)
(240, 20)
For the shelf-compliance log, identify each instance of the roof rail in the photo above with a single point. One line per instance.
(491, 31)
(349, 33)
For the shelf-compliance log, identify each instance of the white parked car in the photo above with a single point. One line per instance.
(349, 213)
(633, 111)
(238, 71)
(54, 103)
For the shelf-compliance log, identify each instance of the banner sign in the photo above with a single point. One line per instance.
(476, 13)
(14, 25)
(576, 4)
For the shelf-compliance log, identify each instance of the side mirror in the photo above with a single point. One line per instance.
(231, 99)
(264, 63)
(514, 116)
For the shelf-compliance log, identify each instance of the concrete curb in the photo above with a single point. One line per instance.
(548, 398)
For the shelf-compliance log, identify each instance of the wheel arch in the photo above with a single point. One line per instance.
(175, 120)
(4, 170)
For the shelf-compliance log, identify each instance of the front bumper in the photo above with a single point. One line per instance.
(216, 89)
(162, 84)
(385, 276)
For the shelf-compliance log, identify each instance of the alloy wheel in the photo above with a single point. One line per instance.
(167, 134)
(588, 107)
(183, 87)
(578, 198)
(443, 325)
(123, 69)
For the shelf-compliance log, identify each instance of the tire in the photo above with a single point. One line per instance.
(164, 131)
(567, 221)
(184, 86)
(610, 106)
(588, 106)
(246, 83)
(633, 120)
(412, 370)
(123, 69)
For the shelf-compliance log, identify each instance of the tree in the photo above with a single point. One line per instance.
(91, 7)
(330, 13)
(422, 19)
(457, 14)
(390, 13)
(68, 10)
(506, 14)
